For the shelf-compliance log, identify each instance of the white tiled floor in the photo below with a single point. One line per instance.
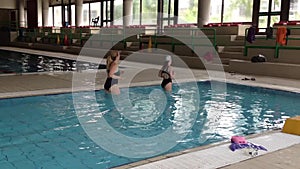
(221, 155)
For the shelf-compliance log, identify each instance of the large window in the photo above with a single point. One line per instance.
(269, 13)
(168, 12)
(50, 16)
(57, 16)
(136, 12)
(85, 14)
(66, 17)
(73, 15)
(95, 11)
(264, 6)
(118, 12)
(149, 15)
(215, 11)
(276, 5)
(238, 10)
(233, 11)
(294, 10)
(188, 11)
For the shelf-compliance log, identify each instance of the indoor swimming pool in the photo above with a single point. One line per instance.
(44, 132)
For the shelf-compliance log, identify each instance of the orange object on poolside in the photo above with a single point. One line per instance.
(281, 35)
(292, 126)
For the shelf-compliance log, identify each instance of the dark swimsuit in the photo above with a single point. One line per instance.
(166, 81)
(111, 81)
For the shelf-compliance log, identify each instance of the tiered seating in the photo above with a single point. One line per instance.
(272, 49)
(108, 37)
(282, 59)
(178, 38)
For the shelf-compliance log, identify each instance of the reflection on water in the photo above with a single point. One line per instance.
(240, 111)
(246, 110)
(14, 62)
(153, 111)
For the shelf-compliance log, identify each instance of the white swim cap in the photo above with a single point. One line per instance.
(168, 58)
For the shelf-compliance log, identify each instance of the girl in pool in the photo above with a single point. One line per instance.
(113, 73)
(167, 73)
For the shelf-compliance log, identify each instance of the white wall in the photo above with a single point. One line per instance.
(8, 4)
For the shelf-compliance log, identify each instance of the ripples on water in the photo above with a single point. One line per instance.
(239, 111)
(46, 130)
(14, 62)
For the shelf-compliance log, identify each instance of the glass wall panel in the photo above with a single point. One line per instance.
(264, 6)
(104, 9)
(57, 16)
(149, 16)
(263, 23)
(95, 9)
(294, 10)
(215, 11)
(118, 12)
(73, 20)
(237, 11)
(166, 8)
(66, 15)
(50, 16)
(276, 4)
(136, 12)
(108, 10)
(188, 11)
(234, 11)
(274, 19)
(85, 14)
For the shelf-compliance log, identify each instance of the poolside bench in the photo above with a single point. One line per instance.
(262, 42)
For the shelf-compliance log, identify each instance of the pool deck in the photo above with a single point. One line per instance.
(284, 149)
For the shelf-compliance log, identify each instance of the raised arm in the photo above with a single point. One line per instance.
(172, 73)
(113, 69)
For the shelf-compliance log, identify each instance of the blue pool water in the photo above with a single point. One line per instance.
(16, 62)
(43, 132)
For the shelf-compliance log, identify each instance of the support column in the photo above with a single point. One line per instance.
(285, 10)
(78, 9)
(21, 13)
(176, 5)
(45, 12)
(32, 14)
(127, 12)
(203, 12)
(160, 11)
(255, 13)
